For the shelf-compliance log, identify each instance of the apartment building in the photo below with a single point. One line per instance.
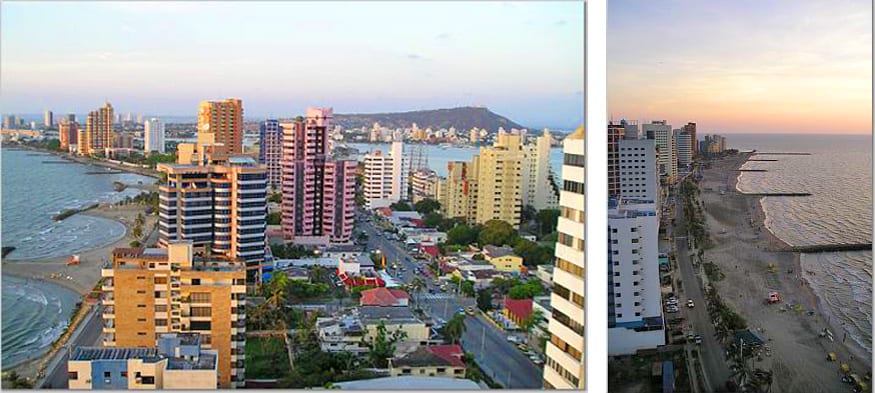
(662, 133)
(635, 319)
(220, 208)
(457, 193)
(151, 291)
(616, 132)
(690, 128)
(637, 174)
(318, 192)
(684, 144)
(97, 134)
(270, 151)
(68, 134)
(221, 123)
(423, 184)
(499, 181)
(538, 188)
(153, 136)
(178, 362)
(564, 365)
(378, 180)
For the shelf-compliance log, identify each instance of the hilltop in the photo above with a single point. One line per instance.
(463, 118)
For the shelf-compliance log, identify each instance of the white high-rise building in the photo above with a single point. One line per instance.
(635, 319)
(153, 136)
(661, 132)
(684, 145)
(384, 177)
(637, 169)
(564, 366)
(538, 189)
(399, 176)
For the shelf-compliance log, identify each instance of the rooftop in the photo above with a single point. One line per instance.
(522, 308)
(498, 252)
(409, 383)
(383, 297)
(101, 353)
(373, 314)
(424, 357)
(206, 361)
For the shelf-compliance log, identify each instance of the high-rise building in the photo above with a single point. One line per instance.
(270, 151)
(499, 180)
(97, 134)
(424, 185)
(616, 132)
(220, 208)
(635, 319)
(48, 119)
(538, 188)
(564, 365)
(684, 148)
(149, 292)
(9, 122)
(68, 134)
(221, 122)
(457, 193)
(662, 133)
(690, 128)
(399, 174)
(153, 136)
(384, 177)
(315, 188)
(638, 178)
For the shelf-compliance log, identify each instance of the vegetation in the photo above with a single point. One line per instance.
(290, 251)
(463, 234)
(275, 197)
(381, 347)
(713, 271)
(274, 218)
(401, 207)
(426, 206)
(14, 381)
(454, 329)
(266, 358)
(467, 288)
(547, 219)
(532, 253)
(484, 300)
(497, 233)
(527, 290)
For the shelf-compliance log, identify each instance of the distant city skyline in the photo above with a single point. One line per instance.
(163, 58)
(742, 66)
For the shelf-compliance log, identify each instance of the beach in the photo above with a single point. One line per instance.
(745, 251)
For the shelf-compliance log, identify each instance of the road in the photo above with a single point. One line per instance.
(88, 335)
(498, 358)
(711, 352)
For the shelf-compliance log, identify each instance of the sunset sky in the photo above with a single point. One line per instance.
(523, 60)
(785, 66)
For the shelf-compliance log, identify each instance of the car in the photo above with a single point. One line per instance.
(671, 301)
(522, 347)
(672, 310)
(513, 339)
(536, 359)
(698, 339)
(460, 310)
(690, 303)
(691, 337)
(469, 311)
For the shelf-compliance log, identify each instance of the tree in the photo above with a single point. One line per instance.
(426, 206)
(454, 328)
(531, 321)
(400, 207)
(275, 290)
(467, 288)
(417, 285)
(432, 220)
(381, 346)
(274, 218)
(484, 300)
(463, 234)
(275, 197)
(547, 219)
(526, 290)
(496, 232)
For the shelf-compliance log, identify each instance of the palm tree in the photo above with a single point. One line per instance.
(531, 321)
(762, 380)
(741, 371)
(416, 285)
(276, 289)
(454, 328)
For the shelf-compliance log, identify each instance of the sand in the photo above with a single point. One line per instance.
(743, 250)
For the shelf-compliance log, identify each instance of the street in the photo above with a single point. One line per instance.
(498, 358)
(716, 371)
(88, 335)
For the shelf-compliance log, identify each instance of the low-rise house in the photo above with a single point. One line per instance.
(517, 310)
(432, 361)
(503, 258)
(545, 274)
(482, 278)
(342, 333)
(396, 319)
(384, 297)
(178, 362)
(409, 383)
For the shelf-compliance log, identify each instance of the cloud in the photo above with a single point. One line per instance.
(444, 36)
(414, 56)
(561, 22)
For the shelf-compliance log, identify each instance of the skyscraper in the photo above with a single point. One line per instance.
(690, 128)
(684, 148)
(616, 132)
(662, 133)
(153, 134)
(98, 133)
(68, 133)
(638, 177)
(149, 292)
(220, 208)
(384, 180)
(499, 180)
(457, 193)
(564, 366)
(270, 150)
(315, 188)
(48, 119)
(221, 122)
(538, 189)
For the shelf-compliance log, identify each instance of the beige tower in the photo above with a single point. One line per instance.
(221, 122)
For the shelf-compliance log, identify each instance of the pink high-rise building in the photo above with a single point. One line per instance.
(318, 193)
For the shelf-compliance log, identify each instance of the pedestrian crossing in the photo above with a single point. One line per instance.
(436, 296)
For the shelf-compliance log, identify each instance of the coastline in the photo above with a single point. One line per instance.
(745, 251)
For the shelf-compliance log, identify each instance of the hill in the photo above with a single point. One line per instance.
(463, 118)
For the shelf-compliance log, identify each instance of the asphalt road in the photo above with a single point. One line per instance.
(498, 358)
(90, 335)
(711, 352)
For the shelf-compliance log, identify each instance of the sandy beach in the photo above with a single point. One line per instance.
(744, 250)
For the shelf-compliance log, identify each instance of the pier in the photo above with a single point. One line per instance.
(58, 162)
(786, 194)
(752, 170)
(784, 154)
(829, 247)
(762, 160)
(69, 212)
(103, 172)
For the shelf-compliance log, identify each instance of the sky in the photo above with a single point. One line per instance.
(522, 60)
(742, 66)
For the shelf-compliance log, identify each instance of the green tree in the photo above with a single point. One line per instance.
(274, 218)
(454, 328)
(275, 290)
(484, 300)
(275, 197)
(547, 219)
(531, 321)
(467, 288)
(526, 290)
(463, 234)
(427, 206)
(432, 220)
(381, 346)
(496, 232)
(400, 207)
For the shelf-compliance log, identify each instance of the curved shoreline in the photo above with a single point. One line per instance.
(12, 259)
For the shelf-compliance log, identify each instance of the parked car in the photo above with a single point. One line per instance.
(522, 347)
(536, 359)
(470, 311)
(690, 303)
(698, 339)
(513, 339)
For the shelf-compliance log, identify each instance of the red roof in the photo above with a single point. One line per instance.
(522, 308)
(386, 211)
(450, 353)
(430, 250)
(383, 297)
(418, 222)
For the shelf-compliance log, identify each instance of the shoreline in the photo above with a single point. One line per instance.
(749, 255)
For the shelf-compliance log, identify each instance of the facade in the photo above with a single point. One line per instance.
(685, 148)
(538, 190)
(663, 135)
(424, 183)
(431, 361)
(517, 310)
(457, 193)
(220, 208)
(270, 151)
(500, 180)
(635, 319)
(378, 180)
(690, 128)
(148, 292)
(153, 136)
(638, 177)
(503, 259)
(68, 134)
(713, 144)
(97, 134)
(178, 362)
(564, 365)
(318, 192)
(221, 122)
(616, 132)
(48, 119)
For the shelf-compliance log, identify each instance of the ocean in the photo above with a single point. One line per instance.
(35, 312)
(838, 174)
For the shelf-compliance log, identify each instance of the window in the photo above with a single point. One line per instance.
(160, 280)
(160, 322)
(201, 325)
(124, 374)
(107, 374)
(201, 311)
(73, 375)
(199, 297)
(148, 380)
